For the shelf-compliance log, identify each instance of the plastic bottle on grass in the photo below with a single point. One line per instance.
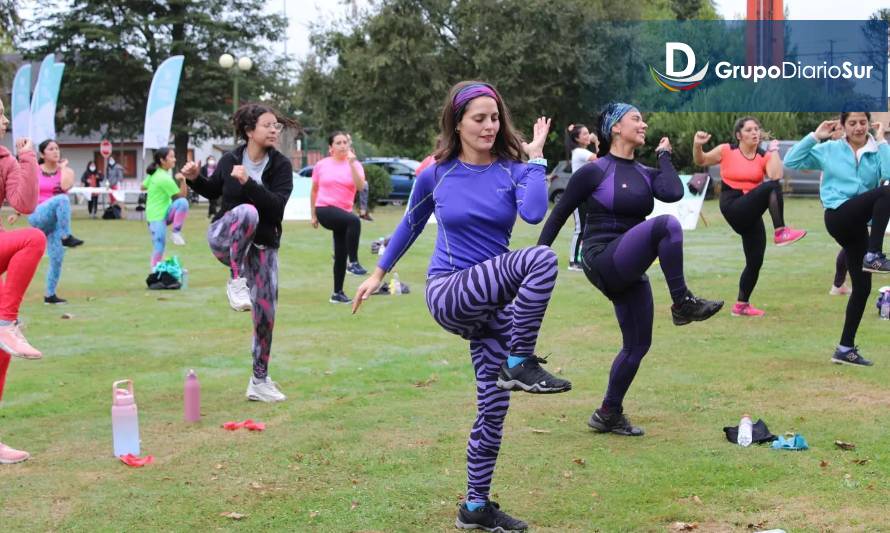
(192, 398)
(381, 247)
(124, 419)
(745, 429)
(395, 286)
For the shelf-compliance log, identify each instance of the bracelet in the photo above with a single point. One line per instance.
(538, 161)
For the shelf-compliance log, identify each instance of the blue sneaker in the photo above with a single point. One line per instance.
(851, 357)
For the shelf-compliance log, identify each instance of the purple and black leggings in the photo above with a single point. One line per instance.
(498, 305)
(619, 271)
(231, 241)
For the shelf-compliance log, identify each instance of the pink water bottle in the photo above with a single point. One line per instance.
(124, 419)
(192, 398)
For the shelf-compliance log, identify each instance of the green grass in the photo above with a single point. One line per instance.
(358, 446)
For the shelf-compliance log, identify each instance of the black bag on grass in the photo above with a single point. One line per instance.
(112, 212)
(162, 281)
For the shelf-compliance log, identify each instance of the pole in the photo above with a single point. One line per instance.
(235, 103)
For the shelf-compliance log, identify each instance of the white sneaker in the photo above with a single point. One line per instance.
(264, 391)
(177, 238)
(239, 294)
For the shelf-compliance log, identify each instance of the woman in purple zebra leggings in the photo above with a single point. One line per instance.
(620, 245)
(255, 181)
(476, 287)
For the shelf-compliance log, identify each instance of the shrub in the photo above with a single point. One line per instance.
(379, 184)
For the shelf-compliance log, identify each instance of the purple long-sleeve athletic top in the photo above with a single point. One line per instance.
(617, 194)
(475, 207)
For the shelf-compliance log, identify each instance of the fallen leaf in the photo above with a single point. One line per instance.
(313, 514)
(162, 298)
(567, 474)
(579, 461)
(862, 461)
(353, 506)
(540, 430)
(328, 372)
(354, 482)
(427, 382)
(684, 526)
(67, 316)
(559, 370)
(256, 486)
(844, 445)
(758, 525)
(823, 463)
(696, 499)
(219, 466)
(233, 515)
(595, 494)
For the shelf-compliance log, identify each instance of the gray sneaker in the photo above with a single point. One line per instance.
(851, 357)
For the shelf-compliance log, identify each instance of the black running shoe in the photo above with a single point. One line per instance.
(876, 262)
(488, 518)
(356, 269)
(71, 241)
(54, 300)
(340, 298)
(530, 377)
(367, 216)
(694, 309)
(851, 357)
(614, 423)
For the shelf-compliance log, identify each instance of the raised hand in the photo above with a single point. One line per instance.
(536, 147)
(879, 130)
(240, 174)
(191, 170)
(825, 129)
(773, 146)
(24, 144)
(665, 145)
(701, 137)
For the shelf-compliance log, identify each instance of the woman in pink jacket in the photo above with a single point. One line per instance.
(20, 253)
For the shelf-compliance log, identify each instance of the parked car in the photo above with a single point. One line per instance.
(800, 182)
(305, 172)
(401, 173)
(558, 180)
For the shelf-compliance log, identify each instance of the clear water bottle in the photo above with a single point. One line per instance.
(395, 286)
(885, 305)
(192, 398)
(745, 429)
(185, 279)
(381, 248)
(124, 419)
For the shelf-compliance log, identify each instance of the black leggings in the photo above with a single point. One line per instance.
(840, 268)
(744, 214)
(848, 224)
(347, 229)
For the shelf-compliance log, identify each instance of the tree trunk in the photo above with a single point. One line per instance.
(181, 147)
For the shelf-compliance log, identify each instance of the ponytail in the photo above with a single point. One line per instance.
(159, 155)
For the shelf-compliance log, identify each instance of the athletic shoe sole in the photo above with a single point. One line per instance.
(5, 462)
(499, 529)
(875, 271)
(786, 243)
(749, 316)
(14, 353)
(333, 301)
(604, 429)
(534, 389)
(848, 363)
(683, 322)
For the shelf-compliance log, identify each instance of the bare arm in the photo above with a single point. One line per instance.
(774, 168)
(701, 157)
(357, 178)
(67, 178)
(312, 195)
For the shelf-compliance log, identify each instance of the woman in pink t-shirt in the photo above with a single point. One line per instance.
(335, 180)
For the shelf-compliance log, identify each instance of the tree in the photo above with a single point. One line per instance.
(112, 49)
(385, 74)
(9, 23)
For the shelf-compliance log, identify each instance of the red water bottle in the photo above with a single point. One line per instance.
(192, 397)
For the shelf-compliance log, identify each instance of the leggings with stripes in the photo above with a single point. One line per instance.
(498, 305)
(231, 241)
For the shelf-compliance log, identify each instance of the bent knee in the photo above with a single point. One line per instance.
(544, 255)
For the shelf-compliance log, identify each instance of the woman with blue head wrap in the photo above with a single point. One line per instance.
(619, 245)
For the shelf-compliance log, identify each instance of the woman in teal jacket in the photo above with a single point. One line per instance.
(852, 194)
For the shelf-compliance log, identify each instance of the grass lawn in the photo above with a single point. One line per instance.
(372, 437)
